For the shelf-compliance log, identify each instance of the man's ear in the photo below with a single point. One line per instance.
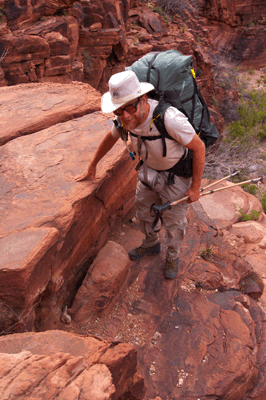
(145, 98)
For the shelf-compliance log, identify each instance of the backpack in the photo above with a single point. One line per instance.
(174, 79)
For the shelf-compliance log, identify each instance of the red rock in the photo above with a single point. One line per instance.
(57, 61)
(69, 365)
(93, 69)
(101, 52)
(77, 72)
(139, 49)
(24, 48)
(102, 283)
(58, 103)
(52, 6)
(105, 38)
(96, 27)
(46, 174)
(187, 334)
(73, 35)
(24, 260)
(223, 207)
(151, 23)
(59, 45)
(67, 377)
(251, 231)
(198, 343)
(57, 65)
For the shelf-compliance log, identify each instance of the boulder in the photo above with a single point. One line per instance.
(250, 231)
(151, 23)
(223, 207)
(102, 284)
(201, 340)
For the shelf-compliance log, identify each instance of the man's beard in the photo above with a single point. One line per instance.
(134, 121)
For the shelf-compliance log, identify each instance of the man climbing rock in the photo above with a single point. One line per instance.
(127, 99)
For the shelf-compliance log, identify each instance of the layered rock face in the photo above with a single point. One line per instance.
(236, 12)
(238, 30)
(90, 40)
(51, 41)
(50, 224)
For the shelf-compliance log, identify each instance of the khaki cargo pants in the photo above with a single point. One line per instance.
(174, 220)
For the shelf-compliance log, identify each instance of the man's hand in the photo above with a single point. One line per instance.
(90, 173)
(193, 194)
(106, 144)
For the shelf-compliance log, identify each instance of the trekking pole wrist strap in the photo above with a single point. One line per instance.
(158, 210)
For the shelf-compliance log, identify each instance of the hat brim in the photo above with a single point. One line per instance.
(108, 106)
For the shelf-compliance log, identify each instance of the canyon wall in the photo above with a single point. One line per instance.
(89, 40)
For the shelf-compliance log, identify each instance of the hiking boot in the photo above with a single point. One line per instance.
(141, 251)
(171, 268)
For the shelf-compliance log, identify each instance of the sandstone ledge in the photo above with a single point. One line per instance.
(51, 224)
(29, 108)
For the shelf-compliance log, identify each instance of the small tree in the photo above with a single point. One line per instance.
(3, 54)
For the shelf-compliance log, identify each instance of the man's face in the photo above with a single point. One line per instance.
(131, 120)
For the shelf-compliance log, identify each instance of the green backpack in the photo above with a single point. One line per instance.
(174, 79)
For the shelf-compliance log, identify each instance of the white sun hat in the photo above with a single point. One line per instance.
(123, 87)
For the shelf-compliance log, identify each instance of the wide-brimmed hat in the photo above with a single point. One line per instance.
(123, 87)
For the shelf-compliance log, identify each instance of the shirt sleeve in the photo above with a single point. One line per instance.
(115, 132)
(178, 126)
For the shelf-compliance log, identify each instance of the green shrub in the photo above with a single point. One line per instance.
(158, 10)
(263, 156)
(253, 216)
(263, 200)
(252, 118)
(252, 189)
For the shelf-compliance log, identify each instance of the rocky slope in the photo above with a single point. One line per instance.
(185, 332)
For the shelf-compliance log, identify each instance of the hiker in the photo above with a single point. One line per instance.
(127, 99)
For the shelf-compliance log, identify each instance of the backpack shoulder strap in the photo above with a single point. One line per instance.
(158, 119)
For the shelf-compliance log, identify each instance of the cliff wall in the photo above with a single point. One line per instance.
(88, 40)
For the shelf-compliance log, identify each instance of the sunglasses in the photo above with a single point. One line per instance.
(131, 108)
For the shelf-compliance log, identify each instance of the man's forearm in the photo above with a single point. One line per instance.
(106, 144)
(198, 166)
(198, 148)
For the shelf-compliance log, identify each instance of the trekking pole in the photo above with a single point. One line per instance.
(167, 206)
(223, 179)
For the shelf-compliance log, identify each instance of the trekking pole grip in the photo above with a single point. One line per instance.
(158, 209)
